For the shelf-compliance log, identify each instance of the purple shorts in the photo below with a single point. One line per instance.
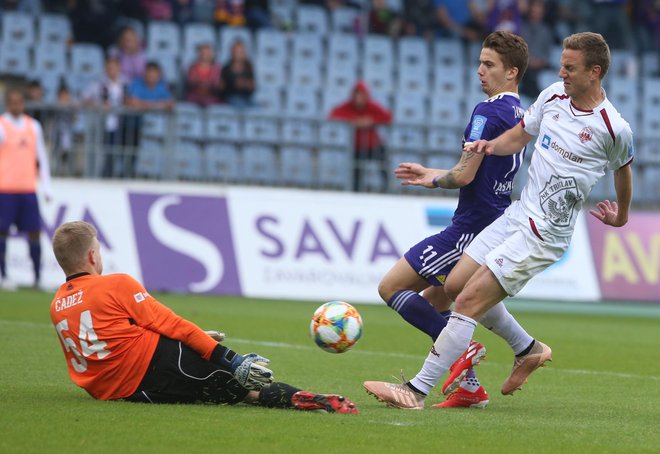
(21, 210)
(434, 257)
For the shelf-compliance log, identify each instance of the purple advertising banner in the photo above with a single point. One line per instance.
(627, 259)
(185, 243)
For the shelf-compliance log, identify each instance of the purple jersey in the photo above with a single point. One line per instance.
(489, 194)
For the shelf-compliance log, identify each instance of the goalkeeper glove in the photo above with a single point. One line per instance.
(249, 370)
(216, 335)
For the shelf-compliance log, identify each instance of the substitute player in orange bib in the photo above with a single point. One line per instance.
(121, 343)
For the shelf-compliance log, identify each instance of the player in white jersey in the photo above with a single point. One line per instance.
(580, 134)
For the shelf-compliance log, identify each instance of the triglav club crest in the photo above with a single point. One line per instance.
(586, 134)
(558, 199)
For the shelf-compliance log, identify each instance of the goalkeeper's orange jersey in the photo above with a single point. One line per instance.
(109, 327)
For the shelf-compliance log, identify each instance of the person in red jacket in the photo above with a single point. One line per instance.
(121, 343)
(364, 114)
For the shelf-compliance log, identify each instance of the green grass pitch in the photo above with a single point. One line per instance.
(601, 393)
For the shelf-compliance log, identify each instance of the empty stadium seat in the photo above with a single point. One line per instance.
(188, 121)
(221, 162)
(87, 59)
(345, 19)
(332, 97)
(301, 103)
(412, 81)
(268, 100)
(258, 128)
(299, 132)
(305, 76)
(188, 161)
(50, 58)
(340, 79)
(259, 164)
(406, 138)
(311, 18)
(308, 48)
(297, 166)
(163, 37)
(270, 74)
(410, 109)
(14, 60)
(149, 162)
(413, 54)
(448, 53)
(378, 79)
(228, 36)
(378, 52)
(449, 81)
(442, 160)
(154, 124)
(335, 168)
(373, 176)
(54, 29)
(446, 140)
(17, 29)
(336, 134)
(223, 125)
(447, 112)
(272, 46)
(343, 50)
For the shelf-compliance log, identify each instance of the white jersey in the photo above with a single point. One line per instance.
(572, 152)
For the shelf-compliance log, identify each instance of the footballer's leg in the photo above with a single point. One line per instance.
(282, 395)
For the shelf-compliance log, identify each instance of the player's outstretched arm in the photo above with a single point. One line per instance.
(414, 174)
(616, 213)
(510, 142)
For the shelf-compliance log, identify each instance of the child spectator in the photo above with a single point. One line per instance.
(203, 82)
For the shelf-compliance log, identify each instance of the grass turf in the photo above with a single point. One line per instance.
(601, 393)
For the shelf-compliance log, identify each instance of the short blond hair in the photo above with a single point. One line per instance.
(594, 48)
(71, 242)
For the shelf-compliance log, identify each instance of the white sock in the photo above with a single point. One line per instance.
(448, 347)
(502, 323)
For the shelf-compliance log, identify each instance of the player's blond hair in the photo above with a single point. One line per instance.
(511, 48)
(594, 48)
(71, 242)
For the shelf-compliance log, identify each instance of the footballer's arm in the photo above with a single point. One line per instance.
(461, 174)
(616, 213)
(510, 142)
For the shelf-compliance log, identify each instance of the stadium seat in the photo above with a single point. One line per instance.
(259, 165)
(442, 160)
(87, 59)
(447, 140)
(270, 74)
(650, 64)
(50, 58)
(299, 132)
(14, 60)
(129, 22)
(340, 79)
(345, 19)
(195, 34)
(373, 176)
(555, 56)
(335, 168)
(188, 121)
(221, 162)
(378, 52)
(50, 83)
(223, 125)
(268, 100)
(651, 107)
(308, 48)
(379, 79)
(547, 77)
(332, 97)
(261, 129)
(154, 125)
(624, 94)
(228, 36)
(311, 19)
(406, 138)
(163, 38)
(297, 166)
(413, 54)
(446, 112)
(188, 161)
(301, 103)
(336, 134)
(448, 53)
(272, 46)
(150, 162)
(394, 158)
(54, 29)
(305, 76)
(449, 81)
(17, 29)
(623, 63)
(410, 109)
(412, 81)
(343, 50)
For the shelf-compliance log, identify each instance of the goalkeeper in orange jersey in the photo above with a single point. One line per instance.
(121, 343)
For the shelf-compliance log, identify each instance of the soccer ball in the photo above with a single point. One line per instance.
(336, 326)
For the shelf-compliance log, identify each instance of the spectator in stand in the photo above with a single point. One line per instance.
(257, 14)
(130, 54)
(145, 94)
(157, 9)
(230, 12)
(506, 15)
(463, 19)
(539, 40)
(383, 20)
(91, 21)
(365, 115)
(64, 120)
(108, 93)
(238, 77)
(646, 14)
(610, 18)
(419, 18)
(203, 82)
(34, 95)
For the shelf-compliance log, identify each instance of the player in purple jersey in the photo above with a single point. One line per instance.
(485, 192)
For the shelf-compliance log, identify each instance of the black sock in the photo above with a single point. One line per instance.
(277, 395)
(410, 385)
(527, 350)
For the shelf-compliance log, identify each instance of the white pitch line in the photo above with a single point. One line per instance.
(419, 357)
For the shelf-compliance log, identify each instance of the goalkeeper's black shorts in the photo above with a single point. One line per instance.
(178, 374)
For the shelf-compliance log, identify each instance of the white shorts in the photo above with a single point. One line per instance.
(516, 250)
